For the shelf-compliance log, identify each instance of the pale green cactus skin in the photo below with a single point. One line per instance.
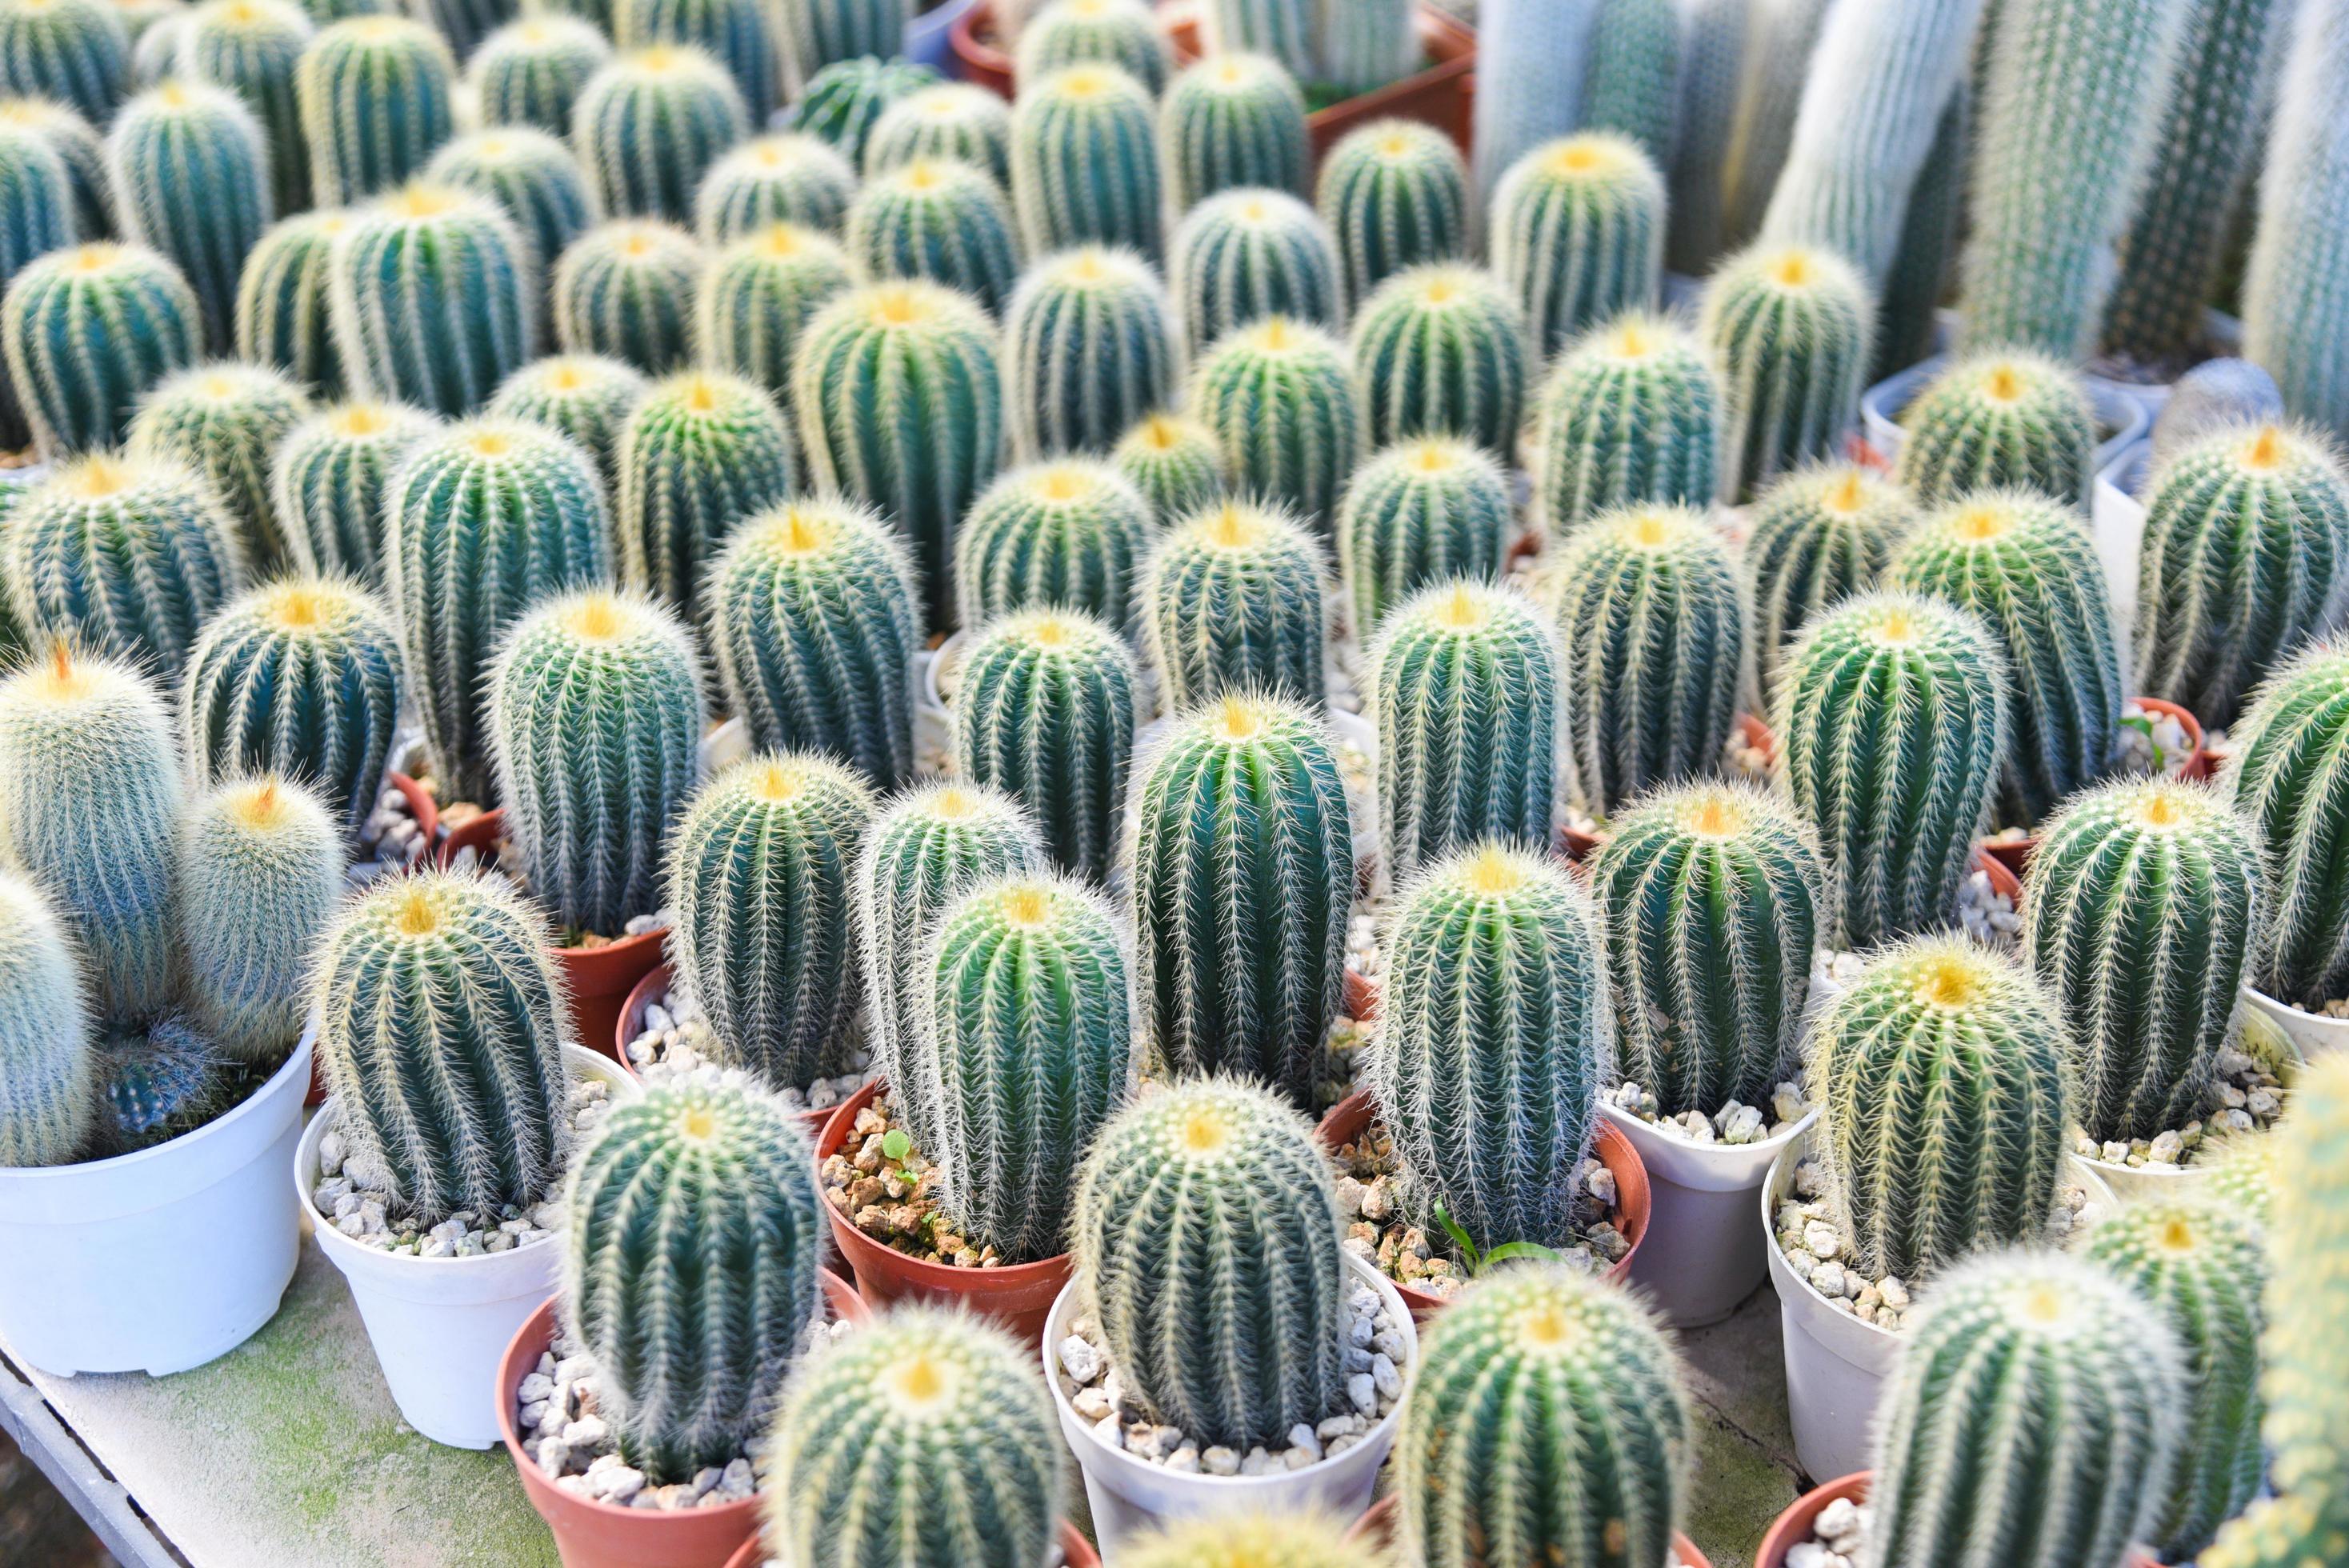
(189, 166)
(531, 72)
(1534, 55)
(2245, 555)
(1999, 418)
(740, 35)
(1592, 1467)
(1791, 326)
(90, 790)
(1497, 974)
(813, 625)
(1442, 350)
(82, 151)
(840, 104)
(586, 397)
(1578, 232)
(48, 1094)
(1631, 85)
(1125, 34)
(820, 33)
(756, 297)
(923, 1402)
(1244, 793)
(1090, 347)
(282, 317)
(225, 421)
(1233, 122)
(1653, 638)
(701, 452)
(75, 52)
(430, 298)
(624, 289)
(2296, 281)
(1044, 710)
(596, 718)
(2306, 1426)
(261, 876)
(158, 1078)
(939, 219)
(2030, 1419)
(1280, 397)
(2027, 566)
(648, 125)
(1909, 304)
(377, 100)
(959, 121)
(1236, 1539)
(2139, 913)
(327, 484)
(1212, 1206)
(301, 679)
(533, 178)
(797, 179)
(1242, 257)
(87, 331)
(1370, 45)
(1084, 162)
(1025, 1040)
(1891, 719)
(758, 877)
(1072, 533)
(1232, 600)
(1814, 539)
(253, 48)
(2281, 779)
(1714, 902)
(1631, 413)
(1282, 30)
(1175, 462)
(1394, 194)
(440, 1017)
(1418, 513)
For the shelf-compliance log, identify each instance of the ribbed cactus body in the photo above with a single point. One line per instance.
(1211, 1206)
(1244, 793)
(82, 151)
(755, 298)
(648, 126)
(701, 453)
(1996, 419)
(626, 289)
(1073, 534)
(1280, 395)
(2302, 1350)
(2297, 279)
(584, 397)
(2281, 777)
(841, 103)
(327, 483)
(2245, 555)
(817, 34)
(438, 1018)
(1370, 45)
(1791, 327)
(75, 52)
(740, 35)
(158, 1078)
(1815, 537)
(1044, 710)
(1891, 716)
(801, 181)
(154, 50)
(939, 219)
(1245, 255)
(1084, 162)
(533, 178)
(1442, 350)
(1908, 304)
(813, 625)
(48, 1094)
(260, 876)
(757, 879)
(1175, 462)
(1591, 1466)
(89, 806)
(1233, 122)
(377, 98)
(225, 421)
(596, 718)
(1577, 233)
(189, 166)
(1281, 29)
(430, 298)
(1090, 347)
(1418, 513)
(1631, 85)
(1631, 413)
(37, 216)
(252, 47)
(531, 72)
(283, 313)
(899, 396)
(482, 522)
(1394, 194)
(1124, 34)
(959, 121)
(87, 330)
(1233, 602)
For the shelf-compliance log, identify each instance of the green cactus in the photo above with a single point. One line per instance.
(48, 1094)
(939, 219)
(820, 34)
(1891, 719)
(1044, 710)
(1422, 512)
(158, 1078)
(1089, 348)
(283, 316)
(1124, 34)
(225, 421)
(1280, 396)
(959, 121)
(2028, 567)
(1394, 194)
(1441, 350)
(797, 180)
(1813, 539)
(37, 216)
(701, 452)
(1631, 415)
(260, 875)
(1245, 256)
(1631, 85)
(1175, 462)
(1236, 1538)
(1234, 123)
(841, 103)
(2295, 277)
(756, 297)
(79, 148)
(440, 1017)
(923, 1402)
(2005, 418)
(2243, 558)
(154, 50)
(1790, 327)
(626, 289)
(596, 718)
(2306, 1429)
(87, 330)
(327, 484)
(531, 72)
(533, 178)
(584, 397)
(252, 47)
(1577, 234)
(1084, 162)
(1244, 793)
(1071, 533)
(465, 23)
(75, 52)
(740, 35)
(900, 403)
(482, 520)
(1282, 29)
(1591, 1466)
(1210, 1206)
(377, 95)
(1369, 45)
(2281, 778)
(649, 125)
(1233, 602)
(758, 876)
(430, 299)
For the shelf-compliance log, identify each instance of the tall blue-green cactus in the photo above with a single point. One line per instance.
(1534, 55)
(1368, 46)
(1245, 255)
(430, 299)
(1090, 347)
(1631, 413)
(1394, 193)
(1814, 539)
(1631, 85)
(1421, 512)
(1578, 232)
(1232, 601)
(87, 331)
(1280, 395)
(284, 317)
(841, 103)
(960, 120)
(1908, 308)
(1176, 463)
(1281, 29)
(2004, 418)
(2296, 277)
(1071, 533)
(252, 47)
(377, 95)
(1086, 167)
(159, 1077)
(1442, 350)
(940, 219)
(626, 289)
(533, 178)
(585, 397)
(48, 1096)
(531, 72)
(1044, 710)
(820, 33)
(701, 452)
(797, 179)
(260, 876)
(76, 52)
(756, 297)
(1126, 33)
(327, 483)
(225, 420)
(1230, 122)
(649, 125)
(741, 35)
(1791, 326)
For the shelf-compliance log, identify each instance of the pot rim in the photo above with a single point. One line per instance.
(28, 1177)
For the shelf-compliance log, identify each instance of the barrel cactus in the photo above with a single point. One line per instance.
(1578, 232)
(76, 52)
(586, 397)
(1441, 350)
(2281, 778)
(189, 165)
(625, 290)
(430, 299)
(2302, 1350)
(817, 34)
(959, 121)
(48, 1096)
(1232, 600)
(1813, 539)
(1125, 34)
(1084, 162)
(327, 483)
(756, 297)
(283, 315)
(797, 179)
(87, 331)
(1791, 327)
(1071, 533)
(376, 100)
(1232, 121)
(1090, 347)
(1997, 419)
(841, 103)
(530, 72)
(533, 178)
(1418, 513)
(1281, 396)
(37, 216)
(1175, 462)
(648, 125)
(225, 421)
(1284, 29)
(1044, 710)
(940, 219)
(1631, 413)
(740, 35)
(261, 875)
(79, 148)
(701, 452)
(1394, 194)
(1245, 255)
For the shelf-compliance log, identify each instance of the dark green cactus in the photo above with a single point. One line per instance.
(1233, 122)
(1175, 462)
(584, 397)
(531, 72)
(626, 289)
(1089, 348)
(284, 317)
(1632, 414)
(939, 219)
(1418, 513)
(1073, 534)
(1085, 165)
(252, 47)
(701, 452)
(1814, 539)
(2000, 418)
(1579, 233)
(1232, 600)
(1792, 326)
(1245, 255)
(76, 52)
(756, 297)
(432, 299)
(87, 330)
(226, 420)
(843, 102)
(1394, 194)
(377, 98)
(648, 125)
(1281, 396)
(1044, 710)
(1441, 350)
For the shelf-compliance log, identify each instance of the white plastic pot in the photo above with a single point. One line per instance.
(439, 1325)
(1131, 1496)
(1881, 406)
(161, 1260)
(2311, 1034)
(1702, 1255)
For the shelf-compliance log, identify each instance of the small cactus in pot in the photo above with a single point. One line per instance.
(1247, 256)
(158, 1078)
(1816, 537)
(1631, 415)
(648, 125)
(87, 331)
(626, 289)
(1085, 165)
(1044, 709)
(700, 453)
(1282, 398)
(1792, 326)
(48, 1093)
(584, 397)
(799, 180)
(226, 421)
(1175, 462)
(1090, 347)
(376, 100)
(1071, 533)
(1232, 121)
(756, 296)
(1416, 514)
(940, 219)
(1394, 194)
(261, 876)
(327, 483)
(2281, 779)
(1995, 420)
(1441, 350)
(1232, 600)
(284, 317)
(429, 297)
(1579, 233)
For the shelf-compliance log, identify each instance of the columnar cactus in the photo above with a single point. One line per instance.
(1175, 462)
(649, 124)
(1578, 234)
(740, 35)
(2304, 1352)
(701, 452)
(2004, 418)
(1084, 162)
(1891, 718)
(1211, 1206)
(251, 46)
(2296, 276)
(82, 151)
(189, 166)
(1442, 350)
(328, 481)
(284, 317)
(533, 177)
(2281, 778)
(1233, 122)
(959, 121)
(1815, 537)
(1233, 602)
(756, 297)
(925, 1401)
(1592, 1466)
(1631, 413)
(225, 421)
(1244, 793)
(261, 875)
(939, 219)
(758, 881)
(1714, 902)
(1071, 533)
(841, 103)
(1125, 34)
(87, 330)
(900, 403)
(813, 625)
(124, 556)
(158, 1078)
(48, 1096)
(1245, 255)
(1044, 710)
(430, 299)
(531, 72)
(440, 1017)
(482, 520)
(822, 33)
(1280, 396)
(799, 180)
(1394, 193)
(2245, 554)
(1090, 347)
(1909, 303)
(376, 94)
(2027, 566)
(1024, 1041)
(1282, 29)
(2030, 1420)
(90, 809)
(1768, 70)
(1370, 45)
(1631, 84)
(1418, 513)
(596, 718)
(1791, 326)
(584, 397)
(626, 289)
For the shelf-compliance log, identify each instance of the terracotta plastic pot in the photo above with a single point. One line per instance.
(1076, 1552)
(655, 983)
(1756, 735)
(589, 1534)
(1018, 1295)
(2002, 878)
(1802, 1516)
(2014, 854)
(1352, 1117)
(1377, 1528)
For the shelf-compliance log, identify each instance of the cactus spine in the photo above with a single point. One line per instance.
(841, 103)
(225, 421)
(283, 315)
(1044, 710)
(376, 100)
(1441, 350)
(1232, 121)
(251, 46)
(37, 216)
(1280, 397)
(701, 452)
(2297, 277)
(584, 397)
(328, 486)
(740, 35)
(2281, 778)
(958, 121)
(190, 169)
(261, 874)
(624, 289)
(796, 180)
(756, 297)
(648, 126)
(1813, 539)
(1631, 84)
(535, 181)
(87, 330)
(48, 1094)
(1232, 600)
(1125, 33)
(1791, 326)
(1175, 462)
(1073, 534)
(1089, 349)
(2303, 1348)
(817, 34)
(1578, 234)
(1394, 194)
(1999, 418)
(531, 72)
(940, 219)
(1245, 255)
(1631, 413)
(76, 52)
(1418, 513)
(430, 299)
(1084, 162)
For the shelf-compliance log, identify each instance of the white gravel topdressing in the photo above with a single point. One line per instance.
(1733, 1124)
(1836, 1536)
(674, 1040)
